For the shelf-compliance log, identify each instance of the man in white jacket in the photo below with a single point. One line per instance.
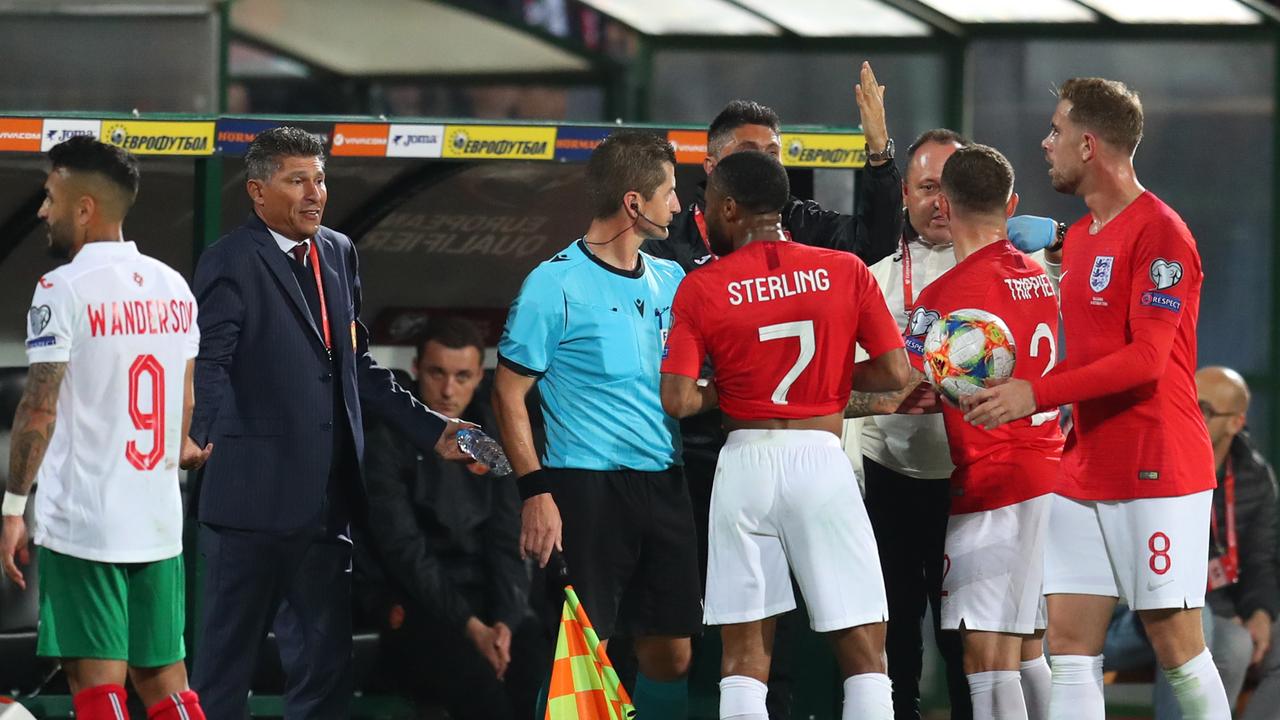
(905, 458)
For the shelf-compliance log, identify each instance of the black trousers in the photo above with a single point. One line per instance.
(909, 517)
(300, 586)
(435, 664)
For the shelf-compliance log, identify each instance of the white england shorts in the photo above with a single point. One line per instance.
(1153, 552)
(993, 569)
(787, 501)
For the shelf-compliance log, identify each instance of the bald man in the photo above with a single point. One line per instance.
(1243, 596)
(1243, 592)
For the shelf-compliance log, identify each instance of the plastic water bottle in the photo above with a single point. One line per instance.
(485, 450)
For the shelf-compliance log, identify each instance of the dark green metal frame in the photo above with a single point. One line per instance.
(627, 88)
(952, 39)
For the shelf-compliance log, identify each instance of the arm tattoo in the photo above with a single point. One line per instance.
(33, 424)
(863, 404)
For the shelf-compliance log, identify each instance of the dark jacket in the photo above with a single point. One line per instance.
(443, 541)
(1255, 532)
(278, 410)
(871, 233)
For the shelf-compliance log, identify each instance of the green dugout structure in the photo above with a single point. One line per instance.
(447, 215)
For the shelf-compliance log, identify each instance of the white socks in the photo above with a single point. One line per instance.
(997, 695)
(1077, 688)
(742, 698)
(1037, 683)
(1197, 686)
(868, 696)
(1075, 685)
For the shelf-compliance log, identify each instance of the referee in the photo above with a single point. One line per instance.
(589, 326)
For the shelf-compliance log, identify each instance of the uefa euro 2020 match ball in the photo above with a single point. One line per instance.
(964, 349)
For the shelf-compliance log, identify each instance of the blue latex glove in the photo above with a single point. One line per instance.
(1030, 233)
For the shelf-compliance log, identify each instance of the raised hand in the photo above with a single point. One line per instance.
(870, 97)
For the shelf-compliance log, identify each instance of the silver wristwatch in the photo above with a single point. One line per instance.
(886, 154)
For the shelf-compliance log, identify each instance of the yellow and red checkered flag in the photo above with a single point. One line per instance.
(584, 685)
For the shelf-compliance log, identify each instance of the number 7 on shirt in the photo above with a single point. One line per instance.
(802, 329)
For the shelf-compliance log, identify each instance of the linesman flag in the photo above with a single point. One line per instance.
(584, 685)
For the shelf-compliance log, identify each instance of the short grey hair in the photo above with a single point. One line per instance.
(267, 150)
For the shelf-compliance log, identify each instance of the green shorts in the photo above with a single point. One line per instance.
(112, 611)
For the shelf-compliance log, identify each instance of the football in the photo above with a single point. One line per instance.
(964, 349)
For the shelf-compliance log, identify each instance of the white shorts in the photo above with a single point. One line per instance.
(787, 501)
(993, 569)
(1153, 552)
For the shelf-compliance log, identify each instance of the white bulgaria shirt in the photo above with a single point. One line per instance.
(125, 324)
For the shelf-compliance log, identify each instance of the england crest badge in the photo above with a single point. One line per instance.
(1100, 277)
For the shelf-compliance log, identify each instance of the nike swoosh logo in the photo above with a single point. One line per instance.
(702, 260)
(1153, 587)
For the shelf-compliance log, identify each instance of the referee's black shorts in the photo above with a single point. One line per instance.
(631, 549)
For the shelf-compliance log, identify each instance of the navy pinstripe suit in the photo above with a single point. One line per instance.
(284, 477)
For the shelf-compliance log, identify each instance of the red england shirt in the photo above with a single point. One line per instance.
(779, 322)
(1017, 461)
(1130, 302)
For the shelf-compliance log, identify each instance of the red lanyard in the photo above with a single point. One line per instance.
(701, 221)
(324, 309)
(906, 276)
(1229, 492)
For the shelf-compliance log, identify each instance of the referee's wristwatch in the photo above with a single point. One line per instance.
(1059, 239)
(884, 155)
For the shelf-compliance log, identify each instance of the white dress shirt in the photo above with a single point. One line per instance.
(287, 245)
